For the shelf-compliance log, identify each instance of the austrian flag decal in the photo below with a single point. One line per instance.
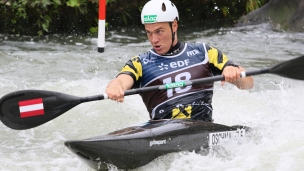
(29, 108)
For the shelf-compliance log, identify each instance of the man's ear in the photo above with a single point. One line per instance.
(174, 26)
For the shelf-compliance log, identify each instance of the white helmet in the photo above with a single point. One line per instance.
(156, 11)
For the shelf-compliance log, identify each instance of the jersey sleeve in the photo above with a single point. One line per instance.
(133, 68)
(217, 60)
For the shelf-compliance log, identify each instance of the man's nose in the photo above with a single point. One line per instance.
(154, 38)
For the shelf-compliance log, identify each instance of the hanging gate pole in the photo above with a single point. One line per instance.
(101, 25)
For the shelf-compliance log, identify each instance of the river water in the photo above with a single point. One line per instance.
(71, 64)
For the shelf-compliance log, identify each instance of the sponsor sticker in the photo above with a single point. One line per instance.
(216, 137)
(30, 108)
(150, 18)
(157, 142)
(175, 85)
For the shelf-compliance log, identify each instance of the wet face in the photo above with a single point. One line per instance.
(160, 36)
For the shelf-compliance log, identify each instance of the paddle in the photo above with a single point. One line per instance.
(30, 108)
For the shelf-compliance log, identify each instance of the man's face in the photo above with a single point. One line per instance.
(160, 36)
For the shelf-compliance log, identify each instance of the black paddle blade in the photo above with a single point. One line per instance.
(291, 69)
(30, 108)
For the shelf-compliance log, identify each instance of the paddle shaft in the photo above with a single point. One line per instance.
(194, 82)
(164, 87)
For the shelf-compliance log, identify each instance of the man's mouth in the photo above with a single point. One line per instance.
(157, 48)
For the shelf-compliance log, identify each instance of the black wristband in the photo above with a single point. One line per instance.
(234, 65)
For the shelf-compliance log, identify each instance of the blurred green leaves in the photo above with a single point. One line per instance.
(38, 17)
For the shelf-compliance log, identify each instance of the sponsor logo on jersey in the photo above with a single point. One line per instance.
(149, 60)
(193, 52)
(162, 66)
(176, 64)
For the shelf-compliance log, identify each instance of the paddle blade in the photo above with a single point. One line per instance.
(291, 69)
(30, 108)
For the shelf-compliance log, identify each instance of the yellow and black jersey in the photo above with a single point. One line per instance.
(193, 61)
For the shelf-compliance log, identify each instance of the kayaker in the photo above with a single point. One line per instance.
(170, 61)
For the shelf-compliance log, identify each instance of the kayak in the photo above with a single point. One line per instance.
(138, 145)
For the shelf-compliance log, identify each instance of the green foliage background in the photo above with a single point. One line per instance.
(38, 17)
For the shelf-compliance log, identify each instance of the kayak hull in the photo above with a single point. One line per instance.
(138, 145)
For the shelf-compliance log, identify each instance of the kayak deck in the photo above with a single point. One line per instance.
(138, 145)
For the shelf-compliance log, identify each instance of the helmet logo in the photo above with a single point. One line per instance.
(150, 18)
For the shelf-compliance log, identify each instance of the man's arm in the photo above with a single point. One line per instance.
(117, 87)
(233, 75)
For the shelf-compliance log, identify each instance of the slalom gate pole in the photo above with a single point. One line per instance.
(101, 25)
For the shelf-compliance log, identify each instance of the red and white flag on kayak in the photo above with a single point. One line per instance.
(29, 108)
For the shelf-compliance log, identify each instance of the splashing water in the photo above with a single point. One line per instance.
(71, 64)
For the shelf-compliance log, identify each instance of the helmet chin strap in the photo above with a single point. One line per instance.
(173, 34)
(173, 37)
